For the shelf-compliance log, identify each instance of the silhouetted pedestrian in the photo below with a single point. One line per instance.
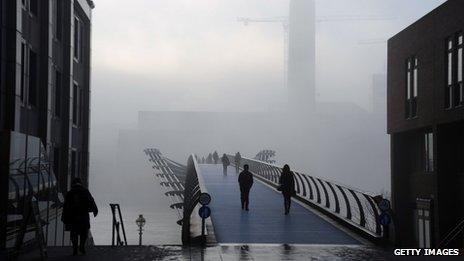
(215, 157)
(209, 159)
(225, 163)
(287, 186)
(77, 205)
(245, 180)
(238, 158)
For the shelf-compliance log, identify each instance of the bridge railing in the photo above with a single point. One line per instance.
(348, 206)
(191, 222)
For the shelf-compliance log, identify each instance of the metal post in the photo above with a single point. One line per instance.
(140, 236)
(202, 227)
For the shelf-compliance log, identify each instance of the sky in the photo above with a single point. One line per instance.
(195, 55)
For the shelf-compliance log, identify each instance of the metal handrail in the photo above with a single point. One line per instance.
(349, 206)
(452, 234)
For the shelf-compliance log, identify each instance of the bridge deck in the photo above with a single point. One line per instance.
(265, 222)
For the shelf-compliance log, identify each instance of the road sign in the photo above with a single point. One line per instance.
(384, 204)
(384, 219)
(204, 212)
(205, 199)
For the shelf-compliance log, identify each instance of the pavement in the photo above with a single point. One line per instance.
(224, 252)
(265, 222)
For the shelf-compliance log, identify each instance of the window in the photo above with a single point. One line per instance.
(23, 73)
(429, 162)
(81, 105)
(56, 160)
(454, 91)
(75, 106)
(33, 7)
(74, 164)
(460, 87)
(57, 94)
(412, 64)
(77, 38)
(424, 222)
(33, 81)
(57, 7)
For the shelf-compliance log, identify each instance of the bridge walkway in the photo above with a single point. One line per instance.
(265, 222)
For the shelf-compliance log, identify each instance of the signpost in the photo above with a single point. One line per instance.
(384, 218)
(204, 212)
(205, 199)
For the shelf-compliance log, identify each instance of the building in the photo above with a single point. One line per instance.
(44, 112)
(302, 56)
(426, 125)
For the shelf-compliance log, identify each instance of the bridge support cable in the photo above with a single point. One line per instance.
(360, 212)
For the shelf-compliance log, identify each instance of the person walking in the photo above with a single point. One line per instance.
(215, 157)
(238, 158)
(225, 163)
(245, 180)
(287, 186)
(78, 203)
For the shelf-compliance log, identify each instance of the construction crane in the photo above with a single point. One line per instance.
(284, 21)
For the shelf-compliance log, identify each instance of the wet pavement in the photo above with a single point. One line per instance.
(224, 252)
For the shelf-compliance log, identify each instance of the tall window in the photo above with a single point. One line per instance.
(34, 7)
(33, 80)
(449, 84)
(429, 162)
(57, 6)
(459, 87)
(454, 91)
(23, 73)
(77, 38)
(31, 5)
(411, 87)
(56, 160)
(75, 111)
(57, 94)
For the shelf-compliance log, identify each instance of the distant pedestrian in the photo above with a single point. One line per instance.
(77, 205)
(215, 157)
(287, 186)
(225, 163)
(245, 180)
(238, 158)
(209, 159)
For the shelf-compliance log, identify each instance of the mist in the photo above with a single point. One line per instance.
(184, 76)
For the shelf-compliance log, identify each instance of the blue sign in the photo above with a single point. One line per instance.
(384, 219)
(204, 212)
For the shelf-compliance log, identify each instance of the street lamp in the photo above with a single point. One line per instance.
(140, 221)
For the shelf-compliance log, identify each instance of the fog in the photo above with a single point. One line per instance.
(186, 77)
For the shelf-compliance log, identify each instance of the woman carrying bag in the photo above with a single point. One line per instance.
(287, 186)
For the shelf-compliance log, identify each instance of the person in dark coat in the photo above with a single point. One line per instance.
(238, 158)
(215, 157)
(245, 180)
(287, 186)
(225, 163)
(77, 205)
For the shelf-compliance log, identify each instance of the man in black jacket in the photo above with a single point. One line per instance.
(245, 180)
(77, 205)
